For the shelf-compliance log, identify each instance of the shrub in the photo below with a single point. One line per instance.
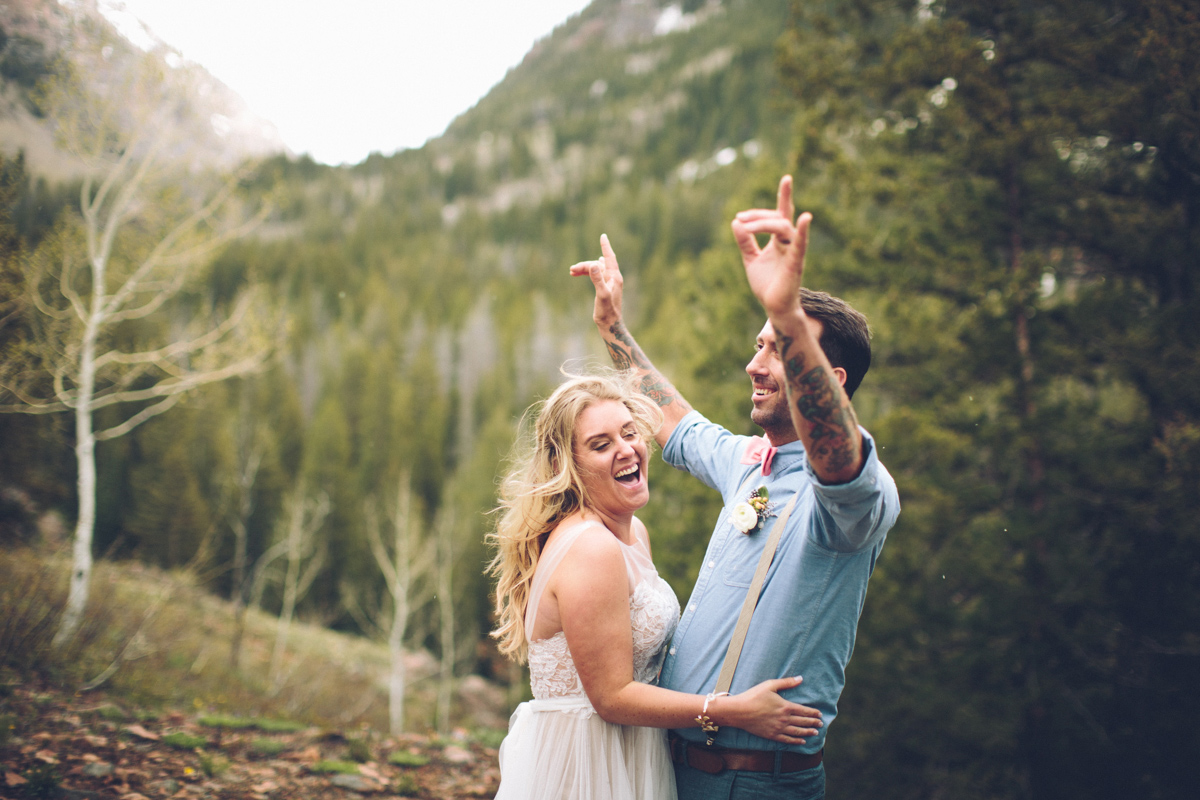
(225, 721)
(406, 786)
(184, 741)
(32, 596)
(32, 603)
(211, 764)
(112, 713)
(335, 767)
(268, 747)
(278, 726)
(359, 749)
(43, 781)
(403, 758)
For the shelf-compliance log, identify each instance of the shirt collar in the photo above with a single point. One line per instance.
(787, 456)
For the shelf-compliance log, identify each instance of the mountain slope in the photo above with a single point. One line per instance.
(34, 34)
(429, 294)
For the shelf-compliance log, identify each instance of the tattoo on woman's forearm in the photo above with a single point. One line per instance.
(626, 354)
(621, 334)
(658, 389)
(619, 355)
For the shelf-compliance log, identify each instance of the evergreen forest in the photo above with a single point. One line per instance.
(1009, 190)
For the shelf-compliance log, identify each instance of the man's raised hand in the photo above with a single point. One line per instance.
(774, 271)
(606, 277)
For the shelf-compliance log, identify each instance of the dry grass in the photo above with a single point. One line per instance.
(176, 640)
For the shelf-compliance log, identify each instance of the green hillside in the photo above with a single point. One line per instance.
(1009, 191)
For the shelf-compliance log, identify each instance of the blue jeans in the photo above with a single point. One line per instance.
(807, 784)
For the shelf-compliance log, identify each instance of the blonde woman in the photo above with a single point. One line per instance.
(578, 595)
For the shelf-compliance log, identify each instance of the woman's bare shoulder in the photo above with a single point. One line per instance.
(641, 532)
(593, 548)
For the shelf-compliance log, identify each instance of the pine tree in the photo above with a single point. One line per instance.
(986, 185)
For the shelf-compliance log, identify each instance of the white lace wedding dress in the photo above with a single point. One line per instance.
(557, 747)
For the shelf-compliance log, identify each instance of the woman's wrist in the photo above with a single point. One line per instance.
(710, 718)
(724, 710)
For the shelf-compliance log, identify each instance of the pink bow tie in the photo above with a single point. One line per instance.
(760, 450)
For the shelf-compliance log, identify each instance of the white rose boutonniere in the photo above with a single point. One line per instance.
(745, 518)
(748, 515)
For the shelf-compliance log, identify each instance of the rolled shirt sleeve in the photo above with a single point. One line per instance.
(856, 515)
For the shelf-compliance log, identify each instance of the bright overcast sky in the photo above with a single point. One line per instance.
(341, 78)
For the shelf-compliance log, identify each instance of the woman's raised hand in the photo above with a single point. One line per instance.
(606, 277)
(762, 711)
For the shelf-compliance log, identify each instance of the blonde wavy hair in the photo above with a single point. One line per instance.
(544, 486)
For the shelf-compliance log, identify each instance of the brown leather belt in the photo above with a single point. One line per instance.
(717, 759)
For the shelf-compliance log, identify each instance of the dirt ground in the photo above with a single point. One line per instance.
(55, 744)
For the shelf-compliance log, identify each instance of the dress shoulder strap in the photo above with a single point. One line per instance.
(549, 560)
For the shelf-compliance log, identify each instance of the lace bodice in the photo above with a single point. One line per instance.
(653, 614)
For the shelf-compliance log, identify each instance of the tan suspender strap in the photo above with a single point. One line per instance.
(760, 575)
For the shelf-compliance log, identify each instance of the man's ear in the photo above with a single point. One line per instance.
(840, 374)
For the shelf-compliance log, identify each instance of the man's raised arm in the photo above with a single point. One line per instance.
(820, 409)
(622, 349)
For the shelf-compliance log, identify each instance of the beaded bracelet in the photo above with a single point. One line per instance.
(706, 724)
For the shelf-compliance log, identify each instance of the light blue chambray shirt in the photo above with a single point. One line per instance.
(813, 594)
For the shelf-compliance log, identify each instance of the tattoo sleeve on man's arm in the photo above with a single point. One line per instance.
(816, 393)
(626, 354)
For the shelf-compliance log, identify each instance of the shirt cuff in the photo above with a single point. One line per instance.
(867, 481)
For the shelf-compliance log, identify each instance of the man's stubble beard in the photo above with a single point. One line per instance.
(776, 419)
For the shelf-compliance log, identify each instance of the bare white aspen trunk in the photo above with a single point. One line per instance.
(290, 584)
(305, 518)
(258, 578)
(398, 678)
(445, 567)
(398, 568)
(250, 456)
(238, 591)
(85, 456)
(401, 576)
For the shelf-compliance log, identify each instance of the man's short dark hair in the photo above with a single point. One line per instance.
(845, 335)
